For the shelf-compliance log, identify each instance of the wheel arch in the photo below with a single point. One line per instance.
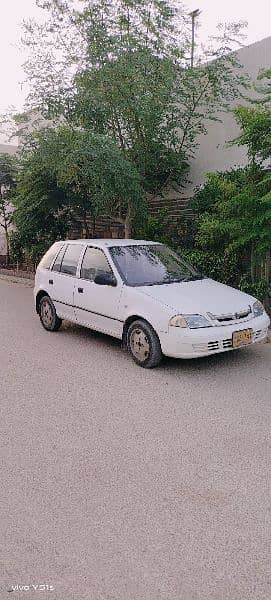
(127, 324)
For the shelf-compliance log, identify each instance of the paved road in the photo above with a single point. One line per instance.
(124, 484)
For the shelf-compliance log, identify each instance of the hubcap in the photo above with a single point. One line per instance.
(46, 313)
(139, 345)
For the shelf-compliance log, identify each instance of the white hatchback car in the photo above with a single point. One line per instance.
(146, 295)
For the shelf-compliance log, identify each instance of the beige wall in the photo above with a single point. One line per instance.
(213, 153)
(8, 149)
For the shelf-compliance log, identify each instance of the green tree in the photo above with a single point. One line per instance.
(122, 69)
(69, 174)
(234, 208)
(43, 209)
(255, 124)
(8, 172)
(235, 214)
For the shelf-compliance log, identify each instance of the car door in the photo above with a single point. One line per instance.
(98, 306)
(62, 280)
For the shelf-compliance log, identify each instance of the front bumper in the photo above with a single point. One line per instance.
(192, 343)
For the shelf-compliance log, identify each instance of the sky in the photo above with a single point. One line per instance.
(12, 13)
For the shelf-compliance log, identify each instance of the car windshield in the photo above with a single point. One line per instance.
(154, 264)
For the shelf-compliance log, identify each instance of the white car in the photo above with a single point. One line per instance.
(146, 295)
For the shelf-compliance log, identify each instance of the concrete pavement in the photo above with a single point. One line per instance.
(124, 484)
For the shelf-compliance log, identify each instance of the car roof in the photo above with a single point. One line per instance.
(107, 243)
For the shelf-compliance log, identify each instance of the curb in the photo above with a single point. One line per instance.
(20, 280)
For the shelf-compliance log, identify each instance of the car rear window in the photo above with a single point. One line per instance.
(71, 258)
(58, 261)
(50, 255)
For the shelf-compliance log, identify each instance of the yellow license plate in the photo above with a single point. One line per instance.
(241, 338)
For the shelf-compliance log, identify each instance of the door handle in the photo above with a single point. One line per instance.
(80, 290)
(51, 282)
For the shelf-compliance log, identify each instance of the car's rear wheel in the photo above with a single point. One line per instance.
(48, 316)
(144, 345)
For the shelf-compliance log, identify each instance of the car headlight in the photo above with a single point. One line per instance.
(258, 309)
(191, 321)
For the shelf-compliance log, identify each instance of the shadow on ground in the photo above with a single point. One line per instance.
(244, 357)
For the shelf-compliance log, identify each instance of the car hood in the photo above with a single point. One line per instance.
(199, 297)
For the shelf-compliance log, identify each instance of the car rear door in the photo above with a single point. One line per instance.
(98, 306)
(62, 280)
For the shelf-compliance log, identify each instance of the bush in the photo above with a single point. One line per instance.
(226, 269)
(37, 251)
(223, 267)
(154, 228)
(259, 288)
(20, 252)
(16, 247)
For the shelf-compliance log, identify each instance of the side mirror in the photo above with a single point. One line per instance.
(106, 279)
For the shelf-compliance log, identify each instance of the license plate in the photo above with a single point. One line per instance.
(241, 338)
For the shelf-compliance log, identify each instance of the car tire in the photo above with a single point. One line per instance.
(48, 317)
(144, 345)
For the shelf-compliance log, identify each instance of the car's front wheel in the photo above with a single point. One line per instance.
(144, 345)
(48, 316)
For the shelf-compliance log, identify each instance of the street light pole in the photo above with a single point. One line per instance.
(193, 15)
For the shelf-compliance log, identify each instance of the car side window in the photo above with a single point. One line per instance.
(71, 259)
(58, 261)
(94, 263)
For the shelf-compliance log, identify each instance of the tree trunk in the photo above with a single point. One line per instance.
(5, 226)
(128, 224)
(267, 276)
(93, 226)
(86, 227)
(7, 244)
(252, 264)
(5, 222)
(268, 266)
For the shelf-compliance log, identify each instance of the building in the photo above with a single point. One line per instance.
(8, 149)
(214, 153)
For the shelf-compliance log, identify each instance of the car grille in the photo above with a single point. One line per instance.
(213, 346)
(219, 345)
(227, 343)
(224, 344)
(231, 317)
(258, 334)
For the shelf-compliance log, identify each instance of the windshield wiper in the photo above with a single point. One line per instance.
(161, 282)
(167, 281)
(174, 280)
(183, 279)
(194, 278)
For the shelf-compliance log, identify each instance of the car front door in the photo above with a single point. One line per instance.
(62, 280)
(98, 306)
